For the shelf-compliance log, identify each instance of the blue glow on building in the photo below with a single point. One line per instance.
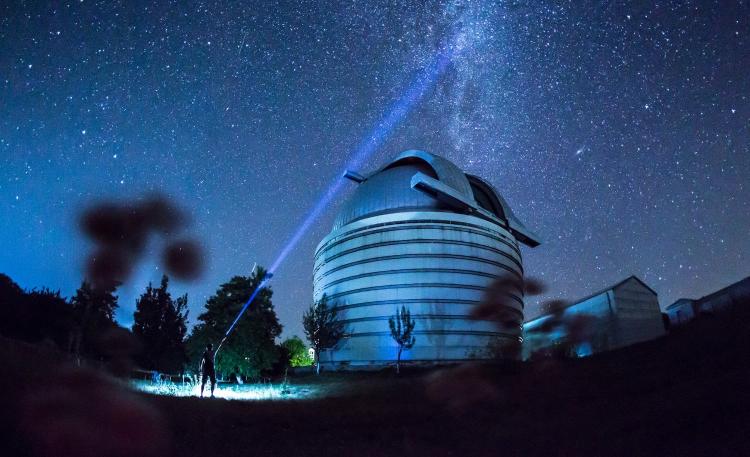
(419, 233)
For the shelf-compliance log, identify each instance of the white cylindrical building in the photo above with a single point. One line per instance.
(418, 233)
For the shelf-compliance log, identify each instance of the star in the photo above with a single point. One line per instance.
(247, 121)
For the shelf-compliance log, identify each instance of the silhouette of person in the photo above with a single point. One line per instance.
(207, 368)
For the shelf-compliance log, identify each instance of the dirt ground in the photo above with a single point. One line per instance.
(685, 394)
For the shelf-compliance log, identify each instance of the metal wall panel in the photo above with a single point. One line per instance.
(395, 246)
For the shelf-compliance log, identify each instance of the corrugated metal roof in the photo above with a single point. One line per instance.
(386, 191)
(447, 172)
(389, 190)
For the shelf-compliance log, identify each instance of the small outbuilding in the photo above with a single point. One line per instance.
(680, 312)
(623, 314)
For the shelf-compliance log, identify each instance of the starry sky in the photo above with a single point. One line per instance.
(618, 131)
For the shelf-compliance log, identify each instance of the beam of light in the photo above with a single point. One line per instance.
(420, 86)
(257, 290)
(380, 132)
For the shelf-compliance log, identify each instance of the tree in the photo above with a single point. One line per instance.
(15, 315)
(94, 311)
(401, 326)
(34, 316)
(161, 325)
(250, 346)
(51, 317)
(322, 327)
(298, 354)
(11, 296)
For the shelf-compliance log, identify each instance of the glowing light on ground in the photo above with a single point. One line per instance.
(263, 391)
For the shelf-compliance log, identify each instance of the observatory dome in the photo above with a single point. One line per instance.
(419, 233)
(389, 189)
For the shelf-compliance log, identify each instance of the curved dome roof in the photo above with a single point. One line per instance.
(390, 189)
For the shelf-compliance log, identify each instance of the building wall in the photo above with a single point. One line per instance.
(435, 263)
(680, 312)
(624, 315)
(599, 313)
(738, 292)
(685, 309)
(637, 313)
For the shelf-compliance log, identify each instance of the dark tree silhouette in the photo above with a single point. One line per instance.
(34, 316)
(94, 311)
(161, 325)
(51, 317)
(402, 325)
(322, 327)
(9, 291)
(14, 315)
(251, 345)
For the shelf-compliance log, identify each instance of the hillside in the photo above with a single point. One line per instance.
(683, 394)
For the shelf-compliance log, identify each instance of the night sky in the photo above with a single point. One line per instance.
(619, 133)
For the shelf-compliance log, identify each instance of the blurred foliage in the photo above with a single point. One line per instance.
(120, 232)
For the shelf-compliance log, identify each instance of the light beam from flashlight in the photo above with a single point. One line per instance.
(398, 111)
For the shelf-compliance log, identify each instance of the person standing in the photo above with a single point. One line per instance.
(207, 368)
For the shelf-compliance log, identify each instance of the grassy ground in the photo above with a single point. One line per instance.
(684, 394)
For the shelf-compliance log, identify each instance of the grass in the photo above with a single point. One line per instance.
(684, 394)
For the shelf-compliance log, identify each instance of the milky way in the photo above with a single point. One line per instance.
(620, 133)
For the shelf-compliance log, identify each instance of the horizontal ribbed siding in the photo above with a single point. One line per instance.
(435, 263)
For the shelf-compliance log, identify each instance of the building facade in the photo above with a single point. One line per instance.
(681, 312)
(687, 309)
(418, 233)
(618, 316)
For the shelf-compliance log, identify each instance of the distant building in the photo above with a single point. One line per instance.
(687, 309)
(626, 313)
(681, 311)
(423, 234)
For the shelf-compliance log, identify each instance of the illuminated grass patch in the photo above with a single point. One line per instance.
(262, 391)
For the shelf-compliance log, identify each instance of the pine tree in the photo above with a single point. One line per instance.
(251, 345)
(402, 326)
(322, 327)
(94, 311)
(161, 325)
